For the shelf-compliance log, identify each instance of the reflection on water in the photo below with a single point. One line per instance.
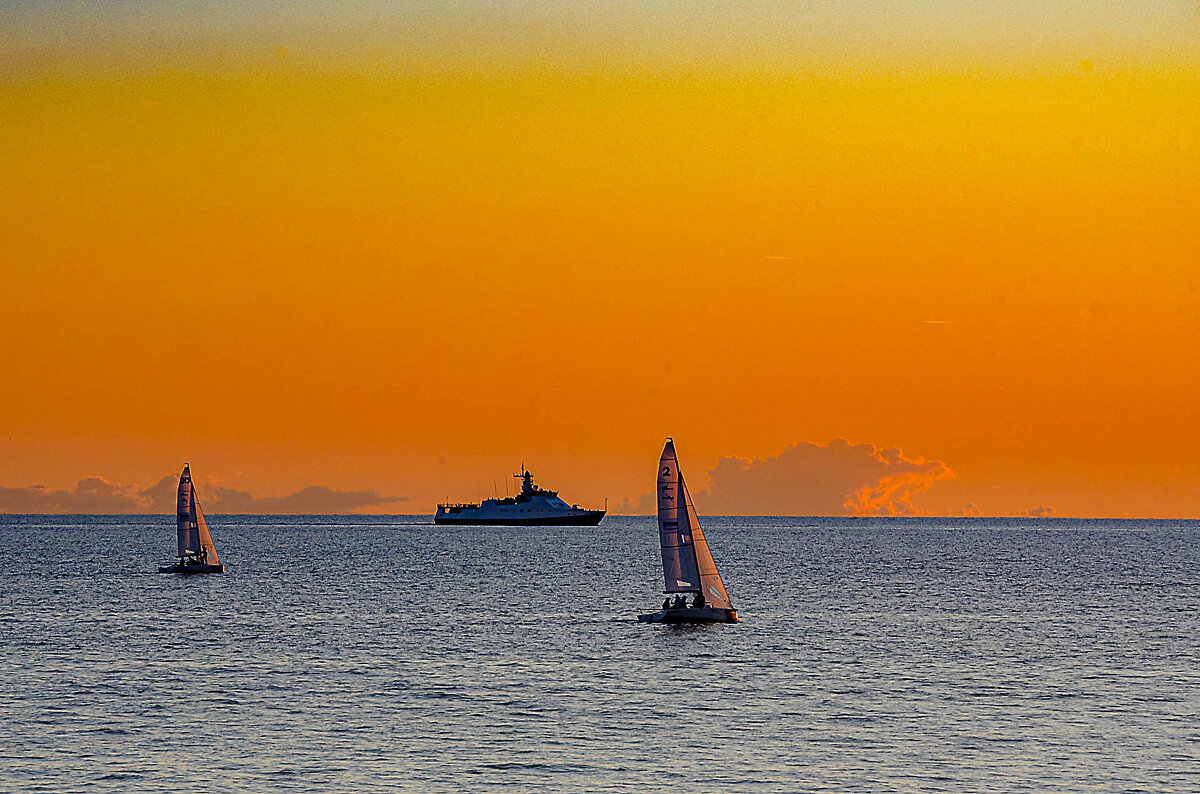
(361, 652)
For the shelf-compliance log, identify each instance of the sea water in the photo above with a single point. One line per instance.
(365, 653)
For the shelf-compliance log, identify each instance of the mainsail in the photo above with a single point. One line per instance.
(688, 565)
(189, 541)
(193, 529)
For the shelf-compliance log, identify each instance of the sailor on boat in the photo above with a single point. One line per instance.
(688, 566)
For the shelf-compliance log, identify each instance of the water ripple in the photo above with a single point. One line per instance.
(354, 653)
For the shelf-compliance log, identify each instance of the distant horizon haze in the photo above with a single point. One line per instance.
(806, 480)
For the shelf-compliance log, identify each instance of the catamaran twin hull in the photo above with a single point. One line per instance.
(587, 518)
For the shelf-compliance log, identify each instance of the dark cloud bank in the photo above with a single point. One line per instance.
(835, 479)
(813, 479)
(805, 479)
(97, 495)
(810, 479)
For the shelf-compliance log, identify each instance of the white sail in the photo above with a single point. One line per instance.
(185, 514)
(688, 565)
(680, 574)
(206, 541)
(710, 579)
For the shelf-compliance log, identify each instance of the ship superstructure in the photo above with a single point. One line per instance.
(532, 506)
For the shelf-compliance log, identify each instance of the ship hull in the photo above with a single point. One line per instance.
(191, 569)
(585, 519)
(692, 615)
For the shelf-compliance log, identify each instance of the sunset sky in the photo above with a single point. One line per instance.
(855, 257)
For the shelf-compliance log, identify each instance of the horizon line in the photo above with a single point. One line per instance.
(641, 515)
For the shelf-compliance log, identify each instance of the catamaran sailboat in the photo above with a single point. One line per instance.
(197, 554)
(688, 567)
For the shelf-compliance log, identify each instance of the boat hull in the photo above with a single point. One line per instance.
(191, 569)
(692, 615)
(589, 518)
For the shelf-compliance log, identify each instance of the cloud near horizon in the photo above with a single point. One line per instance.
(811, 479)
(839, 478)
(1041, 511)
(98, 495)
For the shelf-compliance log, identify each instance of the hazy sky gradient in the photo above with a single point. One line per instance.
(402, 248)
(606, 36)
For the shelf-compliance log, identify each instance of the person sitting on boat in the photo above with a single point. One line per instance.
(698, 601)
(667, 602)
(680, 602)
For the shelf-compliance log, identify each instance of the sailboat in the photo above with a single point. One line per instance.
(688, 567)
(196, 553)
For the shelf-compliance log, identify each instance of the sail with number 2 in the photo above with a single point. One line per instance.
(688, 565)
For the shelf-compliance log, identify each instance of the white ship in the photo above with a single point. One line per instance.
(533, 506)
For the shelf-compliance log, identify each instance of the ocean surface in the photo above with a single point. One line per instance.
(366, 653)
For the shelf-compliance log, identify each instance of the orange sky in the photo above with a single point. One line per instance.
(295, 264)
